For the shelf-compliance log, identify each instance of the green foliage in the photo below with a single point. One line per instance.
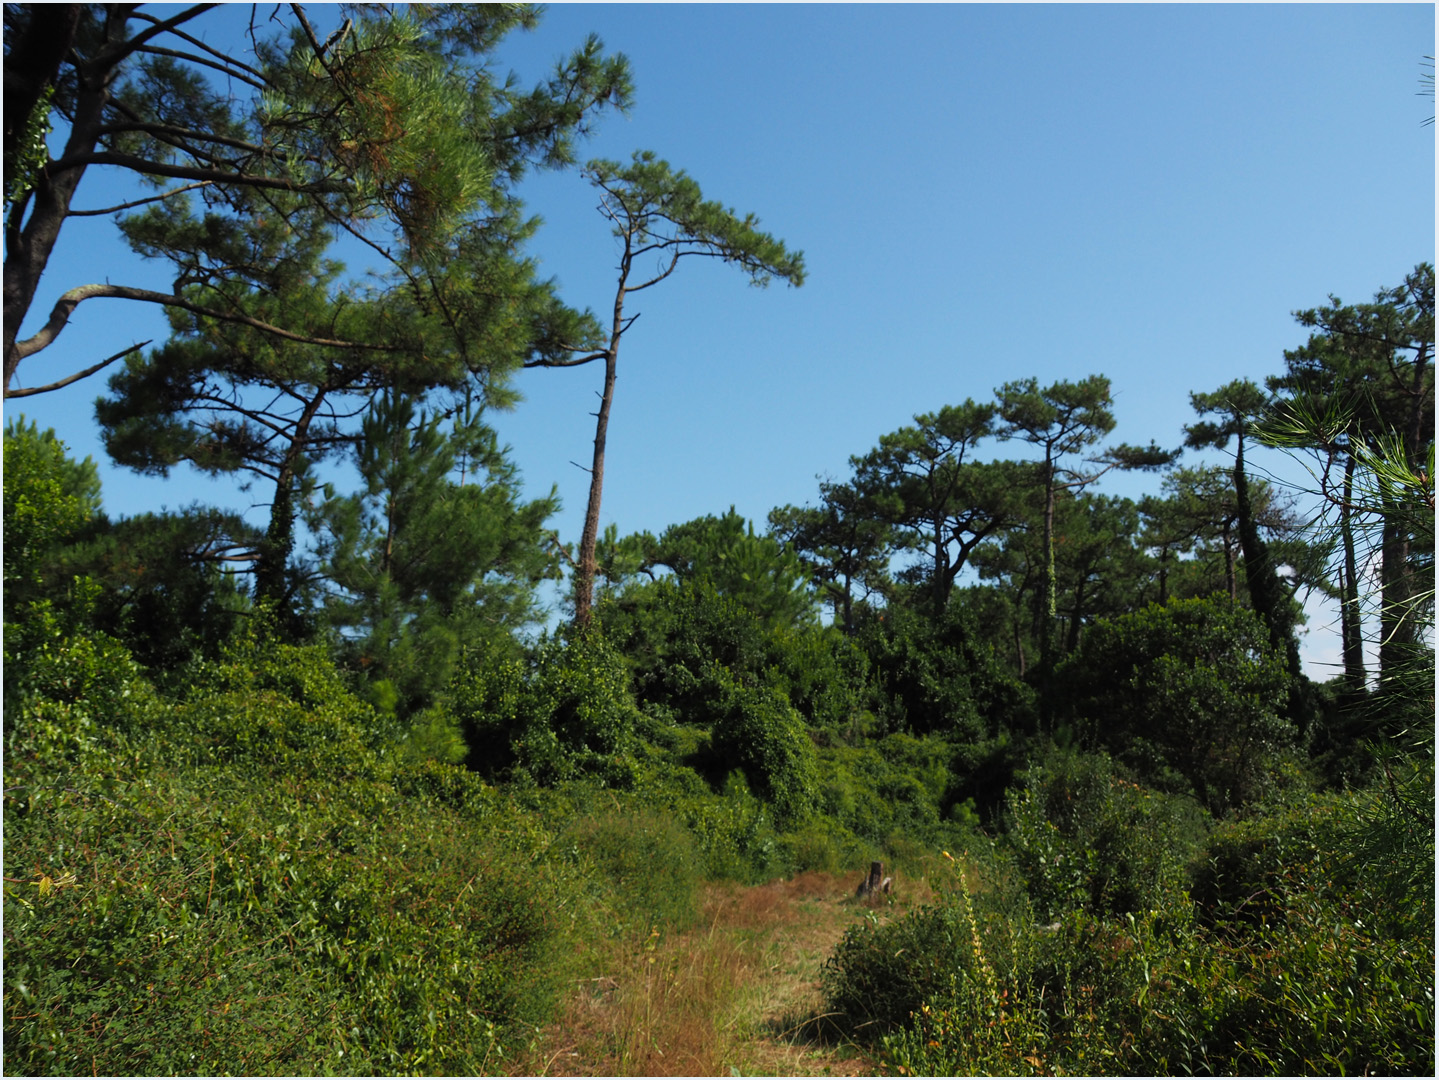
(659, 209)
(659, 217)
(896, 787)
(845, 545)
(935, 676)
(434, 550)
(1085, 838)
(1188, 695)
(1310, 988)
(882, 973)
(733, 831)
(165, 593)
(756, 729)
(918, 481)
(232, 884)
(49, 499)
(27, 153)
(672, 632)
(759, 573)
(393, 127)
(72, 698)
(572, 714)
(155, 578)
(1061, 421)
(208, 924)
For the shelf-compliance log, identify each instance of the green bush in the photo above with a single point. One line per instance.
(267, 926)
(73, 701)
(48, 500)
(232, 884)
(825, 846)
(571, 715)
(895, 786)
(1086, 838)
(1281, 968)
(270, 706)
(1029, 1000)
(756, 729)
(881, 973)
(1312, 990)
(735, 835)
(939, 678)
(1250, 870)
(1188, 695)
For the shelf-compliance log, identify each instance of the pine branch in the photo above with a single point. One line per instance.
(31, 391)
(67, 303)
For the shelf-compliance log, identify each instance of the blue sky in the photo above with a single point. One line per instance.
(982, 193)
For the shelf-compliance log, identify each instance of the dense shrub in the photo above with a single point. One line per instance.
(735, 834)
(568, 715)
(672, 632)
(1285, 963)
(1248, 871)
(645, 863)
(73, 699)
(232, 884)
(937, 676)
(48, 499)
(881, 973)
(1188, 695)
(270, 926)
(892, 787)
(1084, 837)
(755, 728)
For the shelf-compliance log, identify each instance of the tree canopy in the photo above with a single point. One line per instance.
(389, 127)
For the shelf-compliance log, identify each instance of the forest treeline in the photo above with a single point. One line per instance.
(324, 796)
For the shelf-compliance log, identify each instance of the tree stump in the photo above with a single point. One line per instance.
(876, 882)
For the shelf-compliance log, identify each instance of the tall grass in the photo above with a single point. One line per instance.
(732, 992)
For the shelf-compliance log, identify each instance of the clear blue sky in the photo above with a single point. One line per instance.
(982, 193)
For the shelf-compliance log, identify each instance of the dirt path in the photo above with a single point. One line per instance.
(737, 995)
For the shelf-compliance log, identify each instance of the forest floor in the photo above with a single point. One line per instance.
(737, 995)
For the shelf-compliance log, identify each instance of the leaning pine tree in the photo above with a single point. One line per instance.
(659, 214)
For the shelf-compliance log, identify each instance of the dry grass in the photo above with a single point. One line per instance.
(740, 992)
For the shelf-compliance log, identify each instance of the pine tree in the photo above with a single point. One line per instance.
(391, 128)
(435, 552)
(659, 216)
(1063, 420)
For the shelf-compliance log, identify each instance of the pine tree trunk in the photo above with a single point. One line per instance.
(1350, 622)
(28, 250)
(1266, 593)
(586, 566)
(271, 578)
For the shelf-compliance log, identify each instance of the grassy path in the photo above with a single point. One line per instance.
(739, 993)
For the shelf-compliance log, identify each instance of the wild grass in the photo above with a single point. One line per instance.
(738, 991)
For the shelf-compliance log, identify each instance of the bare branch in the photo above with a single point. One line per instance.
(182, 172)
(178, 137)
(227, 68)
(565, 363)
(240, 70)
(554, 538)
(31, 391)
(140, 202)
(155, 31)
